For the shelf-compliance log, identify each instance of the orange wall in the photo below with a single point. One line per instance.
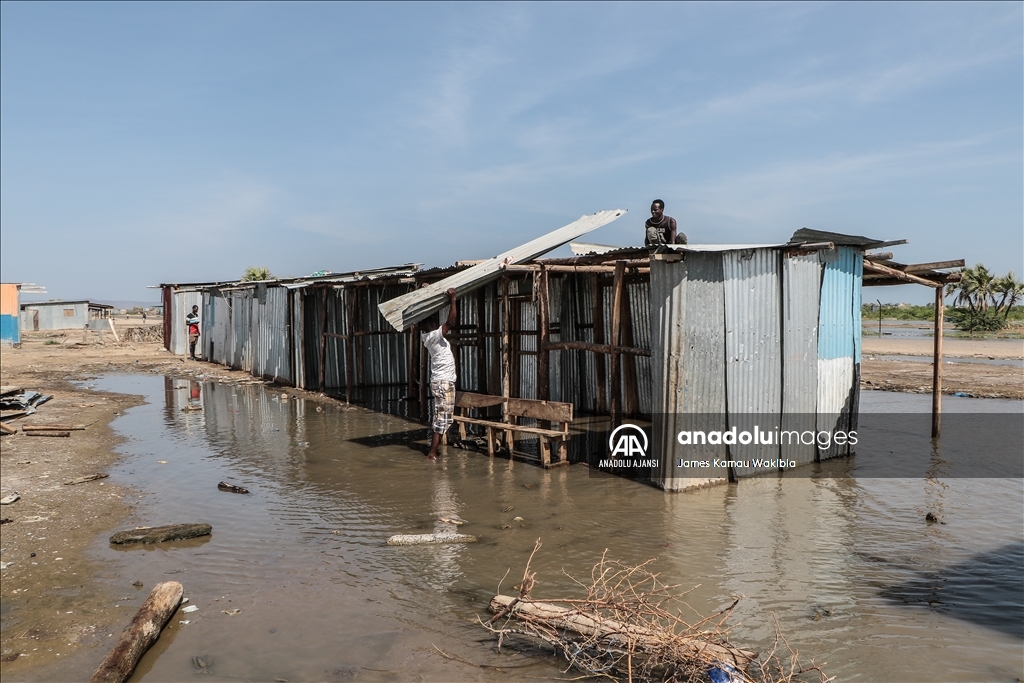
(9, 300)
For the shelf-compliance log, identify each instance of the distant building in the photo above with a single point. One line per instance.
(63, 315)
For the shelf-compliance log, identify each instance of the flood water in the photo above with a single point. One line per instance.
(855, 576)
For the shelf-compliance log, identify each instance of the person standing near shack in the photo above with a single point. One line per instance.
(661, 229)
(192, 324)
(442, 373)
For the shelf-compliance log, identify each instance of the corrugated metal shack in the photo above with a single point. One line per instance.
(692, 337)
(63, 315)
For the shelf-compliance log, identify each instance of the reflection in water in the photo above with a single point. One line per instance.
(848, 565)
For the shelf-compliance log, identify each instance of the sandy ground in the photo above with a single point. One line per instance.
(53, 604)
(980, 380)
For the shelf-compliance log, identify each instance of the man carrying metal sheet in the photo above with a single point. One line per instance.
(192, 324)
(442, 373)
(661, 229)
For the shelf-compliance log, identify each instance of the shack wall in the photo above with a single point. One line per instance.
(10, 325)
(56, 315)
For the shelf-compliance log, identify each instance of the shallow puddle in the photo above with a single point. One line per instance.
(848, 565)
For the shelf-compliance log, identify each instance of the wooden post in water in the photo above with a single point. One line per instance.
(940, 305)
(613, 343)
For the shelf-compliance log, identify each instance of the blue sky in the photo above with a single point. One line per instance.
(147, 143)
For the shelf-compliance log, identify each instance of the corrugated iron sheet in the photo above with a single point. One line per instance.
(753, 349)
(837, 343)
(182, 301)
(415, 306)
(687, 313)
(801, 284)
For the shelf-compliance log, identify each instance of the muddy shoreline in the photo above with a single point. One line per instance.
(54, 604)
(54, 607)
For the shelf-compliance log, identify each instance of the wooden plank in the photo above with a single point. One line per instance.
(935, 265)
(506, 364)
(501, 426)
(465, 399)
(552, 411)
(898, 274)
(596, 348)
(409, 308)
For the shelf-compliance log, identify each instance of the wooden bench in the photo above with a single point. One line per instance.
(558, 414)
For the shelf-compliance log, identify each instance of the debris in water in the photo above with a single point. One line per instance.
(171, 532)
(7, 500)
(224, 486)
(933, 518)
(630, 625)
(189, 609)
(423, 539)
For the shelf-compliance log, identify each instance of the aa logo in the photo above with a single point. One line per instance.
(628, 441)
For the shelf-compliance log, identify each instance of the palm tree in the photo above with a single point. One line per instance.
(254, 273)
(1012, 291)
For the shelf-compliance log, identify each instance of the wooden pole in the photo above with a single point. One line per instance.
(940, 305)
(616, 375)
(323, 342)
(506, 361)
(601, 400)
(350, 361)
(631, 397)
(140, 634)
(543, 354)
(412, 358)
(481, 341)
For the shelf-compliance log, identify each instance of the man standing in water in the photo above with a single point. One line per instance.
(661, 229)
(442, 373)
(192, 324)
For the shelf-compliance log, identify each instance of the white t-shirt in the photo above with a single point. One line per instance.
(442, 362)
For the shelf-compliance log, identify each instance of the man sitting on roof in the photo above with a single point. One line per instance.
(661, 229)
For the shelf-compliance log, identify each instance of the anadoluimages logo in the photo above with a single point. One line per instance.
(628, 445)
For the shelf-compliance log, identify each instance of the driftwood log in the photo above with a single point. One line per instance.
(594, 626)
(38, 433)
(88, 477)
(159, 534)
(427, 539)
(140, 634)
(52, 428)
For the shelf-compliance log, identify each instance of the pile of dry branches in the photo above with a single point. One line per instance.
(630, 627)
(148, 333)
